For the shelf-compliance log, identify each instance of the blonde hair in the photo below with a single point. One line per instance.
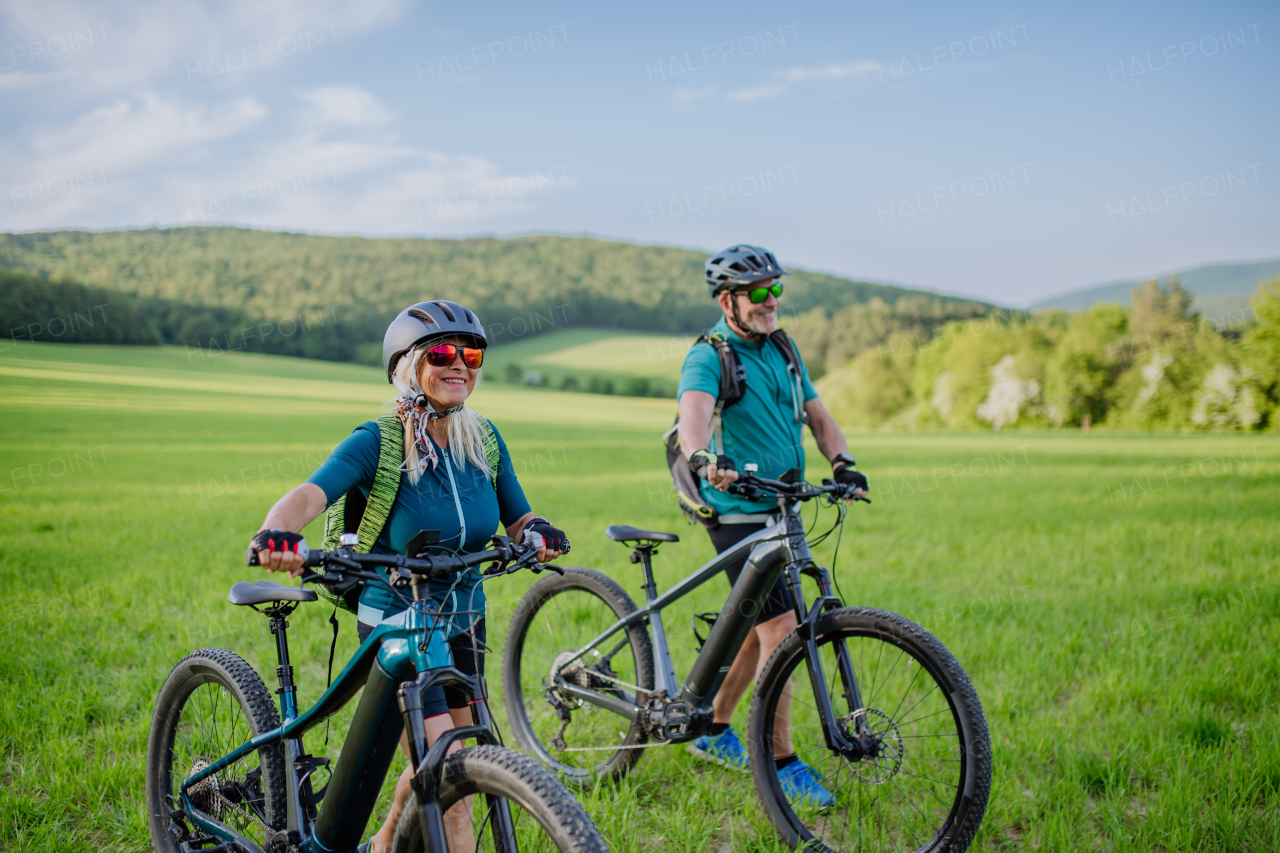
(465, 430)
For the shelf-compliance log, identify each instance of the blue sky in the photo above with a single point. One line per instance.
(1003, 150)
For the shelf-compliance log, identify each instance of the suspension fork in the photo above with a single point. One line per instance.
(504, 827)
(429, 763)
(807, 630)
(426, 779)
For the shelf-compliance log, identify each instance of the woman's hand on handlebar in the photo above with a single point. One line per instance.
(277, 551)
(535, 530)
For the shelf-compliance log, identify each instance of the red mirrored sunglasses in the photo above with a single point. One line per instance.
(443, 355)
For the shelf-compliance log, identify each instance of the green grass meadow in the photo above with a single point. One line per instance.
(607, 355)
(1115, 598)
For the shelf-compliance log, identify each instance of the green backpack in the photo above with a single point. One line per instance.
(353, 513)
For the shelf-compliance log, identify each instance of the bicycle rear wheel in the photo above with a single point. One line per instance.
(923, 782)
(544, 814)
(211, 703)
(558, 615)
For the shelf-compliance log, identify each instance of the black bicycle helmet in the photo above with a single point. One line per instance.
(741, 264)
(420, 323)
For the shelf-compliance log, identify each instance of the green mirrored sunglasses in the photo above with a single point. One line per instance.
(760, 294)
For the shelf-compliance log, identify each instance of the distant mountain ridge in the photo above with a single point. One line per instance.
(519, 285)
(1219, 288)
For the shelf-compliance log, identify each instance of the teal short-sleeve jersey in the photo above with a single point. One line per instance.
(455, 498)
(759, 428)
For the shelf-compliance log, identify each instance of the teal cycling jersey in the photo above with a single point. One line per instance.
(456, 498)
(761, 427)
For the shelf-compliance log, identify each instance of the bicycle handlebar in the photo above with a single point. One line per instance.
(750, 485)
(434, 566)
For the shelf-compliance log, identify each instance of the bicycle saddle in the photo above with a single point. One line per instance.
(626, 533)
(264, 591)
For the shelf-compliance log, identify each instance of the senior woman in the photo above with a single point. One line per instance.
(432, 352)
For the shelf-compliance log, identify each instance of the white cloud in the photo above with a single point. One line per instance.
(133, 133)
(790, 77)
(146, 130)
(345, 104)
(17, 80)
(107, 45)
(758, 93)
(683, 94)
(830, 72)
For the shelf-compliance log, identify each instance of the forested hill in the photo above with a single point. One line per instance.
(268, 274)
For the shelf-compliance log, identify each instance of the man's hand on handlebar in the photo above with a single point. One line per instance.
(849, 476)
(277, 551)
(718, 470)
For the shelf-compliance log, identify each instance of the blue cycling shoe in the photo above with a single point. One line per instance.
(724, 749)
(800, 785)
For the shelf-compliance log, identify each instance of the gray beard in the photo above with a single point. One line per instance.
(755, 326)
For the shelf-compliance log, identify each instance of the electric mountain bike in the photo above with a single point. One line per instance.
(227, 773)
(873, 702)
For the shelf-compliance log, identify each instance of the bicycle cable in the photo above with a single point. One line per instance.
(844, 513)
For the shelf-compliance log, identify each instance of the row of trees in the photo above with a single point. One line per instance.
(625, 386)
(33, 308)
(518, 286)
(1158, 364)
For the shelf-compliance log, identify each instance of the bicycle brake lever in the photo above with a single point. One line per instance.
(537, 570)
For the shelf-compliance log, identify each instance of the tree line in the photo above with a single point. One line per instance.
(518, 286)
(1156, 365)
(58, 310)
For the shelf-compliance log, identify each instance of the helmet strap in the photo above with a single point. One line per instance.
(741, 327)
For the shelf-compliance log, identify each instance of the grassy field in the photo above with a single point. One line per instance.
(1115, 598)
(602, 354)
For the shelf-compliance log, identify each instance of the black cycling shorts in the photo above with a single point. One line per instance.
(438, 700)
(725, 537)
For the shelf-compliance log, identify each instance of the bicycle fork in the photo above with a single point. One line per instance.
(836, 740)
(429, 762)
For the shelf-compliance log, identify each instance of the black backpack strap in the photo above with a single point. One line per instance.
(795, 371)
(733, 381)
(353, 510)
(733, 376)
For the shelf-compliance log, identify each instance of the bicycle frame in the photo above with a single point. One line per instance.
(395, 665)
(686, 711)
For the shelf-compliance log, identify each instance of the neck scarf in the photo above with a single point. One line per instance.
(416, 420)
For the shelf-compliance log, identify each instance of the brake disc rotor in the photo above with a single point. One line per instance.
(882, 742)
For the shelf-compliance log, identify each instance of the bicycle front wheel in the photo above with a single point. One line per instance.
(921, 773)
(484, 779)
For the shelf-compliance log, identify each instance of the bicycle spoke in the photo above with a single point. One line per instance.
(892, 799)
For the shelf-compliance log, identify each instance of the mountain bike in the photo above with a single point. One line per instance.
(879, 708)
(227, 773)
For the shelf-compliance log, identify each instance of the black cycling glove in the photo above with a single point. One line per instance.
(552, 537)
(850, 476)
(701, 459)
(273, 541)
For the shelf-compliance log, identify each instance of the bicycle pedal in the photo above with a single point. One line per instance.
(284, 840)
(206, 844)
